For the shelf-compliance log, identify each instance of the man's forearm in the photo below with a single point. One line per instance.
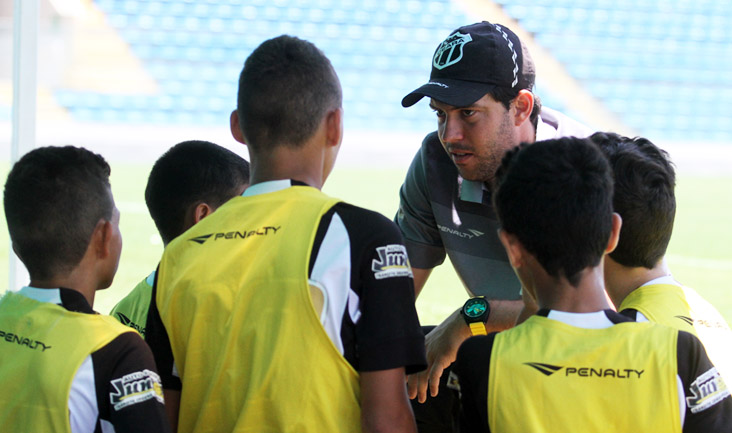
(503, 314)
(420, 279)
(442, 345)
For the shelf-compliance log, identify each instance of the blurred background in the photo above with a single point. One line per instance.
(130, 78)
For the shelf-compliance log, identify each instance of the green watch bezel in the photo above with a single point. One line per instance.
(476, 310)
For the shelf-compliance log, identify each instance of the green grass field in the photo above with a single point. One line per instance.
(699, 254)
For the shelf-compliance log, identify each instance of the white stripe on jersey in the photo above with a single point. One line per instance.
(107, 426)
(83, 410)
(332, 274)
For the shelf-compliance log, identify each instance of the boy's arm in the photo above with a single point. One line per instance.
(129, 391)
(157, 338)
(708, 401)
(384, 403)
(469, 379)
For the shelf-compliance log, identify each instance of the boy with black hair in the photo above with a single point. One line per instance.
(637, 277)
(577, 365)
(186, 184)
(288, 310)
(63, 367)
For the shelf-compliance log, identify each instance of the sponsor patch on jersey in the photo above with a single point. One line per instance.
(392, 262)
(135, 388)
(708, 390)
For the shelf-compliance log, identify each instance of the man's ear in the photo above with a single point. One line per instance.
(513, 247)
(236, 127)
(612, 243)
(334, 127)
(201, 211)
(524, 104)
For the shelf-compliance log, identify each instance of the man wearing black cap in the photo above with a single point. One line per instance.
(481, 90)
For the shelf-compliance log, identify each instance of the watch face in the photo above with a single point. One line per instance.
(475, 307)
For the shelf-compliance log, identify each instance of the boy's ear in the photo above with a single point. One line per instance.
(334, 127)
(612, 243)
(101, 239)
(201, 211)
(513, 247)
(235, 127)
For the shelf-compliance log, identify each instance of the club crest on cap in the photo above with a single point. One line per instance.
(451, 50)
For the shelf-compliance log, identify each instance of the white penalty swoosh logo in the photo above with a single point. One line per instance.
(473, 233)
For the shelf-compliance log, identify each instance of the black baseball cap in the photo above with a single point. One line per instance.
(472, 61)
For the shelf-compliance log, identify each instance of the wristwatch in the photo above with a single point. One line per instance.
(475, 312)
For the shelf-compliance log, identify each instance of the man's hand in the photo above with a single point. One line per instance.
(442, 345)
(444, 341)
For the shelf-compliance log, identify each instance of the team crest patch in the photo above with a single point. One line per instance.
(136, 388)
(392, 262)
(708, 390)
(450, 51)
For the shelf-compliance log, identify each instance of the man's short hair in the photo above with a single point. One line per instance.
(506, 96)
(644, 198)
(555, 196)
(54, 199)
(190, 173)
(285, 89)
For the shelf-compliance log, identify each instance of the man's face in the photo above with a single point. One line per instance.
(476, 137)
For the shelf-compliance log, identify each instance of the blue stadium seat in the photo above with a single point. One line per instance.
(632, 55)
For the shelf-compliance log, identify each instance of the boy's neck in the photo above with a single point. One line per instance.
(75, 280)
(587, 296)
(622, 280)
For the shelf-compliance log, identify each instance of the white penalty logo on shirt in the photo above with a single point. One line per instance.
(392, 262)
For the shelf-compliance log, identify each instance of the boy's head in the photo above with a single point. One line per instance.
(55, 199)
(190, 180)
(644, 198)
(286, 89)
(555, 197)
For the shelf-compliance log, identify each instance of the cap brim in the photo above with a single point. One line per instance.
(452, 92)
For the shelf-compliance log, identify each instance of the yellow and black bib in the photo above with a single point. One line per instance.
(682, 308)
(132, 309)
(547, 376)
(233, 294)
(42, 345)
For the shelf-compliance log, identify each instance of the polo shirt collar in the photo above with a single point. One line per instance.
(271, 186)
(67, 298)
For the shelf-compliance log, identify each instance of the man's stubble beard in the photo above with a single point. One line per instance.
(488, 165)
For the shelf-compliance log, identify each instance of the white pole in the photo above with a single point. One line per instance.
(25, 58)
